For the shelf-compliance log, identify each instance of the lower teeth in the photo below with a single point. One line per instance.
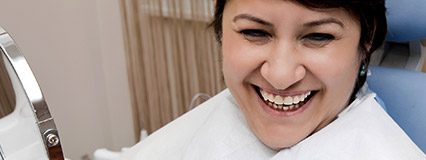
(284, 107)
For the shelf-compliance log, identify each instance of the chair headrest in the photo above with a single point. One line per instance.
(406, 20)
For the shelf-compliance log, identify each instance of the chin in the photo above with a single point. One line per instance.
(280, 141)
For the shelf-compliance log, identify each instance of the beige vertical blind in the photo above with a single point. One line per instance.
(172, 56)
(7, 94)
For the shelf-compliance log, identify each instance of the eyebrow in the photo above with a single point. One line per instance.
(315, 23)
(323, 22)
(252, 18)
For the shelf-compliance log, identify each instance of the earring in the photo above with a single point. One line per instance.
(362, 71)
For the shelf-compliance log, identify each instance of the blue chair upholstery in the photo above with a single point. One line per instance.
(404, 94)
(406, 20)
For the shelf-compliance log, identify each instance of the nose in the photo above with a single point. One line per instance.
(283, 67)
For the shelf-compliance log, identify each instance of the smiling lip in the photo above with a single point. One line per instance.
(283, 110)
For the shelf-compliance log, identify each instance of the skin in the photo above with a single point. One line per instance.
(286, 49)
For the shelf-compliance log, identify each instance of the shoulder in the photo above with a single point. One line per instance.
(172, 140)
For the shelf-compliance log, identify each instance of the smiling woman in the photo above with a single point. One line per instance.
(285, 57)
(295, 72)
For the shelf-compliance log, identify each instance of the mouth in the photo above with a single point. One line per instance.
(284, 103)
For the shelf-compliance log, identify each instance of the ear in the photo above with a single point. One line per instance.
(368, 46)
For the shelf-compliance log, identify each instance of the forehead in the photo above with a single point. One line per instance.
(278, 10)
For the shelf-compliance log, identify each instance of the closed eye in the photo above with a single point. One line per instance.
(255, 35)
(318, 39)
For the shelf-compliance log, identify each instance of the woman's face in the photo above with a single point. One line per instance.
(291, 69)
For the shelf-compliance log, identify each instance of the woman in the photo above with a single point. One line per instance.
(295, 72)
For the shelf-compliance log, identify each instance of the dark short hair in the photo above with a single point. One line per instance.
(370, 14)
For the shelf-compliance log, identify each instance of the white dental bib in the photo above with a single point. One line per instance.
(217, 130)
(363, 131)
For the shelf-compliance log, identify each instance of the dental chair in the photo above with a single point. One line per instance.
(406, 20)
(403, 91)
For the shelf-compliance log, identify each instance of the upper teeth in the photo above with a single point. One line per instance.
(286, 100)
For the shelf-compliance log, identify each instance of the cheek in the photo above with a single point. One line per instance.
(239, 58)
(337, 64)
(338, 73)
(336, 67)
(341, 80)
